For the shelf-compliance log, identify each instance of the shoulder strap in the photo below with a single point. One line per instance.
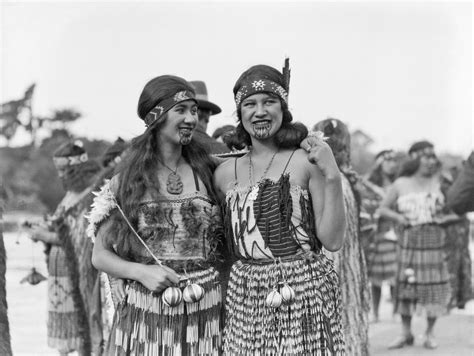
(235, 169)
(196, 180)
(289, 159)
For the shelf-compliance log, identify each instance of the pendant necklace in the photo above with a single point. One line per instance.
(174, 184)
(255, 186)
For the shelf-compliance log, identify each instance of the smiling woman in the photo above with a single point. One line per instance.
(162, 241)
(283, 296)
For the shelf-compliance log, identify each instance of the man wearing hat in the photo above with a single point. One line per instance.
(205, 110)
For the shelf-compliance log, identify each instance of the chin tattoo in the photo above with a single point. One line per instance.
(185, 137)
(262, 131)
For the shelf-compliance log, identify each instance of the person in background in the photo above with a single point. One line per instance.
(415, 202)
(112, 290)
(457, 247)
(381, 250)
(74, 320)
(221, 132)
(206, 109)
(350, 261)
(5, 344)
(460, 194)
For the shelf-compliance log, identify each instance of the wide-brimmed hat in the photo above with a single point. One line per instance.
(201, 96)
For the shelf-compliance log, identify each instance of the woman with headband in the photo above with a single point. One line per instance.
(415, 202)
(282, 205)
(382, 247)
(155, 225)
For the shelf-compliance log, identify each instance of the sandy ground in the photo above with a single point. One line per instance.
(27, 312)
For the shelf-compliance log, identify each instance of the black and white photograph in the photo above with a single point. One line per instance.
(207, 178)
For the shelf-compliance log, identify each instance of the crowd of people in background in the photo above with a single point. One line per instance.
(258, 239)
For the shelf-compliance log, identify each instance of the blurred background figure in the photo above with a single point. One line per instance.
(221, 132)
(461, 193)
(457, 248)
(415, 201)
(349, 261)
(74, 321)
(5, 346)
(205, 110)
(111, 289)
(379, 237)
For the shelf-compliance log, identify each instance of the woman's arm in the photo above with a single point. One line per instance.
(39, 233)
(385, 210)
(325, 187)
(154, 277)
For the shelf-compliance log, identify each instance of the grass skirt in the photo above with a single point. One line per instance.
(382, 261)
(422, 249)
(310, 325)
(144, 325)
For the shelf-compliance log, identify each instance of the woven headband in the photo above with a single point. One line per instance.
(385, 156)
(427, 151)
(156, 114)
(260, 86)
(62, 162)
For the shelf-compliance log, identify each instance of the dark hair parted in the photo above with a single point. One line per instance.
(377, 175)
(138, 171)
(290, 134)
(411, 165)
(339, 139)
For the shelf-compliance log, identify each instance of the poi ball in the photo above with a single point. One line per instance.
(287, 293)
(411, 279)
(409, 272)
(172, 296)
(274, 299)
(193, 293)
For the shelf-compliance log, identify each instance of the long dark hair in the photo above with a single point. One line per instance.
(411, 165)
(377, 175)
(137, 172)
(290, 134)
(339, 139)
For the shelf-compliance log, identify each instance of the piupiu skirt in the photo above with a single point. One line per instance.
(422, 251)
(310, 325)
(144, 325)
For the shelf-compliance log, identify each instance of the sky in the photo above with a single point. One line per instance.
(399, 71)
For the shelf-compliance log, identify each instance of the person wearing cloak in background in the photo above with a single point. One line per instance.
(74, 320)
(111, 289)
(381, 247)
(457, 248)
(350, 261)
(5, 345)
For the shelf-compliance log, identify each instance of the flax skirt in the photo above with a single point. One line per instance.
(310, 325)
(422, 249)
(144, 325)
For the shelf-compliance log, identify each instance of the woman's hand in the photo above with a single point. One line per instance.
(157, 278)
(38, 233)
(320, 154)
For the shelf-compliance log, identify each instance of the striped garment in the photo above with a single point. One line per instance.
(423, 254)
(271, 231)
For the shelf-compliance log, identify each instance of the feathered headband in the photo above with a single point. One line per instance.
(264, 85)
